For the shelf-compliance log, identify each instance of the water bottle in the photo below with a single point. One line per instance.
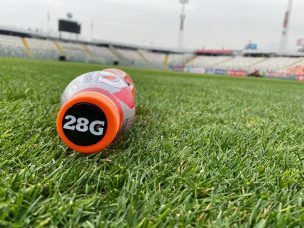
(96, 108)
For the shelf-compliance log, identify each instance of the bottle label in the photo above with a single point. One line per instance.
(84, 124)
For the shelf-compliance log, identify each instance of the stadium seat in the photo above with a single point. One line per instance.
(208, 61)
(155, 59)
(43, 49)
(11, 46)
(133, 56)
(275, 64)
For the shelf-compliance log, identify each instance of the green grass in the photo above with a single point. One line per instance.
(204, 151)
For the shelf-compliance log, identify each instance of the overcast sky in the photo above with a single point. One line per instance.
(209, 23)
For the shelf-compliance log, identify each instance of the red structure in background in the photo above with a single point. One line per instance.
(297, 71)
(214, 52)
(237, 73)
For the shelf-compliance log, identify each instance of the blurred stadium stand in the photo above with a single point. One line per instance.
(248, 62)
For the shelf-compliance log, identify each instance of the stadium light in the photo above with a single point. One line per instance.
(286, 26)
(182, 23)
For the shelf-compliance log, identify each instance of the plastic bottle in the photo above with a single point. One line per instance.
(96, 107)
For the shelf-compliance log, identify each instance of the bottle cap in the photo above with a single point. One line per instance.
(88, 122)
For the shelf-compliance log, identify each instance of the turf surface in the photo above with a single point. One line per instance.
(205, 150)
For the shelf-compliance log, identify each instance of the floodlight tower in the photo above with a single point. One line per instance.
(286, 26)
(182, 23)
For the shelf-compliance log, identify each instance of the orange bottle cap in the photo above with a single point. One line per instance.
(88, 122)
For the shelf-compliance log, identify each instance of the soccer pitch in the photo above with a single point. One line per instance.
(204, 151)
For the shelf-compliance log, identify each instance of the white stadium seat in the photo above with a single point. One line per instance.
(43, 49)
(208, 61)
(11, 46)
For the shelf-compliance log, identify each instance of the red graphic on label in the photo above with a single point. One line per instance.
(126, 97)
